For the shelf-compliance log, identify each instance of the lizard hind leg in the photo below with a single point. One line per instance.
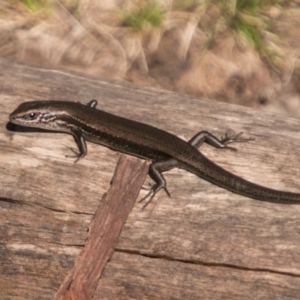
(156, 168)
(206, 137)
(155, 172)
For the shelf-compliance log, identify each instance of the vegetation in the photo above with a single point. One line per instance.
(246, 19)
(36, 5)
(149, 13)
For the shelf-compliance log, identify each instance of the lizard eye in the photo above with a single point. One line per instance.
(32, 116)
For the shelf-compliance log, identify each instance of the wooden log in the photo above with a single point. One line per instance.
(203, 242)
(130, 276)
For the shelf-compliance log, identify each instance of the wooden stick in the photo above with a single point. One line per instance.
(104, 230)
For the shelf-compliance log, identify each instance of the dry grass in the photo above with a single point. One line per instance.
(242, 52)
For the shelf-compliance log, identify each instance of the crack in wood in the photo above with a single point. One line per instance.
(208, 264)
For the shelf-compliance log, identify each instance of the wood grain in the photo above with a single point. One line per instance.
(168, 279)
(202, 243)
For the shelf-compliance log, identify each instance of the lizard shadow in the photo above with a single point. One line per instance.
(18, 128)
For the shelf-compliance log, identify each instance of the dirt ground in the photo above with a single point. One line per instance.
(179, 55)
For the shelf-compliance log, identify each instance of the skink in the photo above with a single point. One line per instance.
(165, 150)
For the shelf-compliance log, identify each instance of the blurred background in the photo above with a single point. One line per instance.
(243, 52)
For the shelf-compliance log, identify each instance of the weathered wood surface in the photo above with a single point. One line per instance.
(202, 243)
